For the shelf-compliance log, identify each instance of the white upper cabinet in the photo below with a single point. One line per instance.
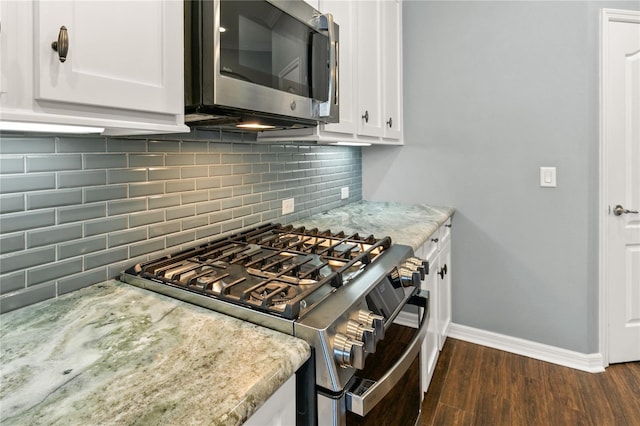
(370, 79)
(392, 69)
(314, 3)
(370, 56)
(344, 13)
(118, 65)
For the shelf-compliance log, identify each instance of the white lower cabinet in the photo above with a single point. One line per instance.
(116, 66)
(444, 283)
(437, 251)
(279, 409)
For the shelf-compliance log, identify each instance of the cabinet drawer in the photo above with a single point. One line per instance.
(430, 247)
(444, 232)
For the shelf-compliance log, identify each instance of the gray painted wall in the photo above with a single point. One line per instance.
(493, 91)
(75, 211)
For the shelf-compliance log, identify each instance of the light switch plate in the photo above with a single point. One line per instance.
(548, 177)
(287, 206)
(344, 193)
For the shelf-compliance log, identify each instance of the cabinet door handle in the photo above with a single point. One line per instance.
(62, 44)
(435, 240)
(443, 271)
(366, 116)
(390, 122)
(448, 225)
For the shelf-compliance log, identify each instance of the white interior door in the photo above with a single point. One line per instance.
(621, 183)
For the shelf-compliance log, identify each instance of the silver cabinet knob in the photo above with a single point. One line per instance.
(619, 210)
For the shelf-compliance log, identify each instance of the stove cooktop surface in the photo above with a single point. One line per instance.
(275, 269)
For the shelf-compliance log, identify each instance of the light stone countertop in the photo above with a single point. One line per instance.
(409, 224)
(116, 354)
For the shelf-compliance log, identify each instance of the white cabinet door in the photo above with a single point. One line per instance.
(437, 251)
(3, 50)
(392, 69)
(369, 44)
(314, 3)
(431, 346)
(345, 15)
(119, 54)
(444, 284)
(279, 409)
(123, 71)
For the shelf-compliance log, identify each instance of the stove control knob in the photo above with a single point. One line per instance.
(409, 277)
(366, 335)
(348, 352)
(374, 321)
(419, 263)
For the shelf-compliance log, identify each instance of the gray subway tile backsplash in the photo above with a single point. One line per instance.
(82, 246)
(11, 165)
(48, 163)
(54, 234)
(26, 259)
(12, 203)
(12, 242)
(27, 182)
(82, 178)
(27, 145)
(52, 271)
(21, 221)
(81, 144)
(27, 296)
(104, 193)
(62, 197)
(76, 210)
(81, 213)
(12, 282)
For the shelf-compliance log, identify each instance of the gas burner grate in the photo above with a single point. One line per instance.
(272, 268)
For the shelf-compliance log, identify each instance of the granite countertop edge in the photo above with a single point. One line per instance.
(409, 224)
(112, 353)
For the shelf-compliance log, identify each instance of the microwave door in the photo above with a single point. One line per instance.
(324, 70)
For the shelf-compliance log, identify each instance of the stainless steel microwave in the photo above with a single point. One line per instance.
(264, 64)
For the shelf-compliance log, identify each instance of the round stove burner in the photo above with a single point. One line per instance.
(275, 293)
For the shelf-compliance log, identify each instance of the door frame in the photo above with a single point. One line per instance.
(606, 16)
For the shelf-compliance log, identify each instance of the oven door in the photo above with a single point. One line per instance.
(388, 390)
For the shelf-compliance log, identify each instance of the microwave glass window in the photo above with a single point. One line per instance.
(263, 45)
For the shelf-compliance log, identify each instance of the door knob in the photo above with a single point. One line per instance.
(619, 210)
(62, 44)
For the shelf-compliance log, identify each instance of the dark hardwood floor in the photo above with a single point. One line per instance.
(476, 385)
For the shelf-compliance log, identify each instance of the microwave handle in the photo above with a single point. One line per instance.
(364, 401)
(325, 107)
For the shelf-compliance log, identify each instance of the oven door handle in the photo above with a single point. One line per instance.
(371, 393)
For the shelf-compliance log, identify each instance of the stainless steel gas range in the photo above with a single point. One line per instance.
(340, 293)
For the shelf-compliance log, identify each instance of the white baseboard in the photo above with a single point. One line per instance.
(592, 363)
